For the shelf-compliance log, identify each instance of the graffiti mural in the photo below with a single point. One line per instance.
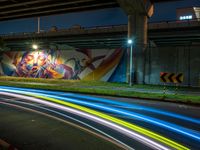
(78, 64)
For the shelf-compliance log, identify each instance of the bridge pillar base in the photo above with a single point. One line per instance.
(137, 31)
(137, 11)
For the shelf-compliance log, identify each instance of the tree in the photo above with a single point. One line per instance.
(2, 44)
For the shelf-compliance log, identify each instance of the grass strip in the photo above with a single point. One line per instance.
(96, 87)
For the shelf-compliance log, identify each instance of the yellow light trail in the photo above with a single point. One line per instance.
(131, 126)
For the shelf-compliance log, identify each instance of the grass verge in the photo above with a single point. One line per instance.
(100, 88)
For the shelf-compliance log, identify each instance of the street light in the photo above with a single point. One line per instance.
(130, 42)
(35, 47)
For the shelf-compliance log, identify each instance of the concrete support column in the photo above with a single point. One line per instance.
(137, 30)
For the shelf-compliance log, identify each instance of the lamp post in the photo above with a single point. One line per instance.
(130, 42)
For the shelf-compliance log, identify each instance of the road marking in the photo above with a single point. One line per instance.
(124, 129)
(104, 135)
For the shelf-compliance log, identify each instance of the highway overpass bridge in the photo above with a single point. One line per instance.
(137, 11)
(173, 46)
(160, 33)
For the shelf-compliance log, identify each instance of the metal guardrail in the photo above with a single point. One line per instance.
(152, 25)
(68, 29)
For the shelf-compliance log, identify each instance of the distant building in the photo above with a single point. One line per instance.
(190, 13)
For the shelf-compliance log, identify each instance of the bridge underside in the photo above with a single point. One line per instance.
(15, 9)
(161, 34)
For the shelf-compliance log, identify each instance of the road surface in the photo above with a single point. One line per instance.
(133, 124)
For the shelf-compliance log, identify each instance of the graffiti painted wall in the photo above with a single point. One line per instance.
(78, 64)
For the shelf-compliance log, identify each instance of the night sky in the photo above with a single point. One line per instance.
(113, 16)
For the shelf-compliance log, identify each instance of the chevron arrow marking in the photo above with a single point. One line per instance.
(171, 77)
(162, 76)
(179, 78)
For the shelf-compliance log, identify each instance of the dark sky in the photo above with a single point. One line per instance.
(114, 16)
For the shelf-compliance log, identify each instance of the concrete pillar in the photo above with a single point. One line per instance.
(137, 30)
(137, 11)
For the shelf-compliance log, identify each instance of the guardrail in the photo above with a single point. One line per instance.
(152, 25)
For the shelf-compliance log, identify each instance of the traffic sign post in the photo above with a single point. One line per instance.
(176, 90)
(164, 89)
(171, 77)
(166, 77)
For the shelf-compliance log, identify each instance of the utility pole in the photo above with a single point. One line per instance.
(38, 20)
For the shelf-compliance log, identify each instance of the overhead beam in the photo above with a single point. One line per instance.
(56, 11)
(34, 8)
(5, 10)
(23, 4)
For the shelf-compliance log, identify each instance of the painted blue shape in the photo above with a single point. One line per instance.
(119, 75)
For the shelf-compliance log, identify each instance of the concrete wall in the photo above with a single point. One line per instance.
(175, 59)
(77, 64)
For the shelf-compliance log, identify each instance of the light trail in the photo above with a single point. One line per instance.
(178, 129)
(105, 135)
(158, 122)
(108, 121)
(119, 104)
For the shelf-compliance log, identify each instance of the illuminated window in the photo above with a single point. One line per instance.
(190, 17)
(185, 17)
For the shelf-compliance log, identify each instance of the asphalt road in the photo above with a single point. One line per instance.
(131, 123)
(29, 128)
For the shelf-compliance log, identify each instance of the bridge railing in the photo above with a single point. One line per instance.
(79, 29)
(82, 30)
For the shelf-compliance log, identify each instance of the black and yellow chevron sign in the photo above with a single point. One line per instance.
(171, 77)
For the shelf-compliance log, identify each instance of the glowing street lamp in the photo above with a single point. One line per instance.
(130, 43)
(34, 46)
